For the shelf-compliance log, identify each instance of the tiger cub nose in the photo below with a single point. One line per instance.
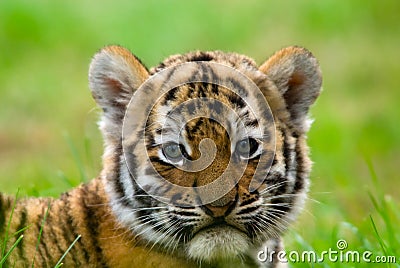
(221, 207)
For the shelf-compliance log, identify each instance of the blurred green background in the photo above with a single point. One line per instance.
(49, 140)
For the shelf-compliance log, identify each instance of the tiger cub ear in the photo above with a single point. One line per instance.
(296, 73)
(114, 75)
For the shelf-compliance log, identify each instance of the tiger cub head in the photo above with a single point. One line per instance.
(205, 154)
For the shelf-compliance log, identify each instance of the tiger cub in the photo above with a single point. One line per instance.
(155, 204)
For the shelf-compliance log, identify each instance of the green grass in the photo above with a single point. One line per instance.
(367, 235)
(49, 140)
(60, 263)
(5, 256)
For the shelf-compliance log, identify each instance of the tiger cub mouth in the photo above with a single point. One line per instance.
(219, 225)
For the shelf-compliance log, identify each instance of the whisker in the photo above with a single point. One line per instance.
(273, 187)
(165, 232)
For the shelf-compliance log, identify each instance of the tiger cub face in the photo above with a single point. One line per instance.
(205, 154)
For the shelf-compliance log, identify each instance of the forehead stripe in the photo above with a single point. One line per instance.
(253, 123)
(235, 99)
(170, 95)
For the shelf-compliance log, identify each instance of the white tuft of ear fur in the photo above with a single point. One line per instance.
(296, 73)
(114, 75)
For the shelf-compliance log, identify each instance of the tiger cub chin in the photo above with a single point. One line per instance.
(204, 172)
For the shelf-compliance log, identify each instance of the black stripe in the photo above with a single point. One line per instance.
(288, 202)
(247, 210)
(214, 77)
(245, 114)
(51, 235)
(233, 204)
(168, 76)
(253, 123)
(201, 92)
(170, 95)
(288, 152)
(69, 229)
(202, 56)
(198, 124)
(207, 210)
(191, 93)
(144, 200)
(190, 132)
(160, 131)
(92, 222)
(159, 161)
(267, 115)
(239, 87)
(130, 158)
(186, 213)
(214, 89)
(203, 70)
(150, 142)
(300, 178)
(21, 225)
(248, 201)
(162, 189)
(287, 155)
(236, 100)
(117, 184)
(42, 253)
(118, 187)
(193, 131)
(143, 216)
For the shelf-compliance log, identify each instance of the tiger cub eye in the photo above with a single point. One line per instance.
(173, 152)
(247, 147)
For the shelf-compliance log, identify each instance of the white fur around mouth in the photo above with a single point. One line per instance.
(219, 242)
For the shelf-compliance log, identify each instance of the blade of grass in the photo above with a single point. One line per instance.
(380, 240)
(371, 170)
(8, 228)
(2, 261)
(383, 208)
(59, 263)
(384, 212)
(64, 178)
(88, 152)
(21, 230)
(76, 157)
